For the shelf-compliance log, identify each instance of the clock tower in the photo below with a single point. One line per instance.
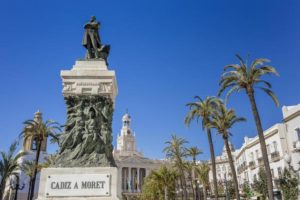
(126, 145)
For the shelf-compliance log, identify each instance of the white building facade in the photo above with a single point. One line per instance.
(283, 147)
(223, 170)
(133, 167)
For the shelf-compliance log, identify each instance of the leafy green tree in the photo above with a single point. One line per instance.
(150, 189)
(202, 110)
(231, 189)
(166, 178)
(239, 77)
(289, 184)
(9, 165)
(176, 152)
(39, 130)
(247, 192)
(160, 184)
(260, 185)
(223, 120)
(202, 172)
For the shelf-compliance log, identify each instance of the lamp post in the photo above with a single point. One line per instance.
(16, 185)
(198, 190)
(179, 193)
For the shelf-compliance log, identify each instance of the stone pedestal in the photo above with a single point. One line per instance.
(89, 77)
(93, 183)
(85, 168)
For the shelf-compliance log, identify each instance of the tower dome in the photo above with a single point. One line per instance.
(126, 117)
(126, 122)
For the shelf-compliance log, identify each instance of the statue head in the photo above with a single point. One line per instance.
(93, 18)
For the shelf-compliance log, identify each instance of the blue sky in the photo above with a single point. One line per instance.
(164, 53)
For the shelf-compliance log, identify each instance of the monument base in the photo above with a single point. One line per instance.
(88, 183)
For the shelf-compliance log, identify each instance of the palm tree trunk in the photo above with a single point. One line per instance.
(185, 195)
(193, 189)
(2, 184)
(204, 193)
(194, 182)
(35, 169)
(236, 186)
(166, 193)
(181, 186)
(262, 143)
(29, 188)
(213, 162)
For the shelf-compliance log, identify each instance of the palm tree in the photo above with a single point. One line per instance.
(203, 176)
(176, 151)
(49, 161)
(166, 178)
(223, 120)
(9, 165)
(203, 109)
(189, 169)
(28, 168)
(239, 77)
(40, 131)
(194, 152)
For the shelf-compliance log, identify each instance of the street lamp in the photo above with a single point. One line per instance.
(15, 185)
(198, 190)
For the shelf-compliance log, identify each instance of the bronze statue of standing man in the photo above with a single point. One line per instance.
(91, 39)
(92, 42)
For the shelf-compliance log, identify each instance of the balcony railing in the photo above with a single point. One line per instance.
(242, 167)
(252, 164)
(260, 161)
(275, 156)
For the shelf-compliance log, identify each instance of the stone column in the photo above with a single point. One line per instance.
(138, 179)
(129, 180)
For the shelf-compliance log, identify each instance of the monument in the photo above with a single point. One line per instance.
(84, 167)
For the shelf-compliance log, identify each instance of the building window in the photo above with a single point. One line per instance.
(257, 153)
(246, 176)
(251, 156)
(275, 146)
(272, 172)
(34, 144)
(254, 177)
(279, 171)
(268, 149)
(298, 133)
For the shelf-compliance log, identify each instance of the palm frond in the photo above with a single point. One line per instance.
(271, 94)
